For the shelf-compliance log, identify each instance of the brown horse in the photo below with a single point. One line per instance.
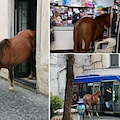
(89, 30)
(16, 50)
(92, 100)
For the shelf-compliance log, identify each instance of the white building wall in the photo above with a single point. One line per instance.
(99, 61)
(61, 74)
(115, 71)
(58, 81)
(6, 25)
(4, 33)
(54, 81)
(82, 64)
(58, 75)
(42, 43)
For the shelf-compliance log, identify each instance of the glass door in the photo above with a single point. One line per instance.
(96, 87)
(25, 18)
(115, 99)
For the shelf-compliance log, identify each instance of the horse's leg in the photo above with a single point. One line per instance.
(85, 111)
(10, 69)
(89, 111)
(92, 45)
(97, 110)
(92, 111)
(31, 60)
(87, 45)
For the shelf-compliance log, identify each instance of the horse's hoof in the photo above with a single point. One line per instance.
(30, 77)
(97, 115)
(11, 89)
(89, 116)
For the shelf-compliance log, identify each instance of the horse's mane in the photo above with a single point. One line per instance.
(4, 44)
(96, 92)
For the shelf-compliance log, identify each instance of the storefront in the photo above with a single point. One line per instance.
(72, 10)
(18, 15)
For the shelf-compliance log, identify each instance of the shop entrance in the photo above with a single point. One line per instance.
(25, 18)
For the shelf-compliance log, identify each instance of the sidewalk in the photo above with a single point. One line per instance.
(21, 104)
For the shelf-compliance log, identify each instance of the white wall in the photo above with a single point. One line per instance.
(115, 71)
(6, 25)
(57, 81)
(54, 81)
(4, 19)
(82, 64)
(58, 75)
(42, 43)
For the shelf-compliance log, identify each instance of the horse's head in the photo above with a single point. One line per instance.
(103, 19)
(99, 94)
(107, 19)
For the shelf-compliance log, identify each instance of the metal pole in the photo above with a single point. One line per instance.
(118, 38)
(111, 16)
(118, 18)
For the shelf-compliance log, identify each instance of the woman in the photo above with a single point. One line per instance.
(57, 19)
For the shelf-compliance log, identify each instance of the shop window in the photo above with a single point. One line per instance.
(85, 88)
(114, 60)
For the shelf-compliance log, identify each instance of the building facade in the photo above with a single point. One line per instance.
(17, 15)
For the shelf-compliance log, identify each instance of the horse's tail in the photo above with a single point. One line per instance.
(77, 37)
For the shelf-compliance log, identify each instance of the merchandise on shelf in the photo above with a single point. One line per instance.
(79, 3)
(99, 7)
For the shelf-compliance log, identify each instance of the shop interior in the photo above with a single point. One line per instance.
(69, 11)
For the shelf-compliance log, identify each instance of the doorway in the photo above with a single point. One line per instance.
(106, 102)
(25, 18)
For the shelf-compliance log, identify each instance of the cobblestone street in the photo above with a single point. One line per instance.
(22, 104)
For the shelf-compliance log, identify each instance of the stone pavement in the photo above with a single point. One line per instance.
(22, 104)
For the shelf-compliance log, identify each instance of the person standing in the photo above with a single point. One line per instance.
(57, 19)
(109, 97)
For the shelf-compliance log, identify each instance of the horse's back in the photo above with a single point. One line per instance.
(20, 48)
(26, 33)
(85, 20)
(87, 27)
(87, 95)
(87, 98)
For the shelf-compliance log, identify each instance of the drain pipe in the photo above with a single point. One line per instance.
(58, 77)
